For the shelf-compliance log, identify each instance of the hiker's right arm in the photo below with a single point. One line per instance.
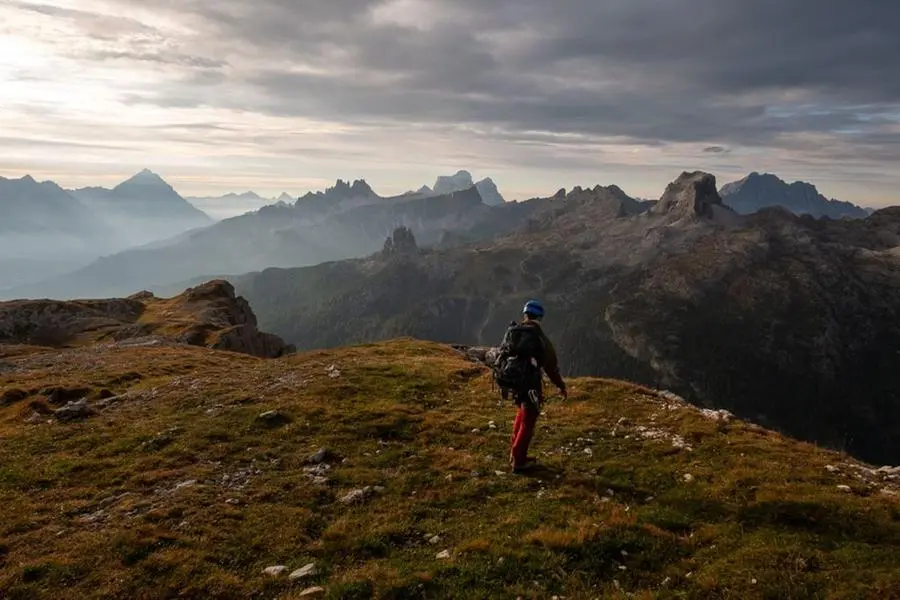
(551, 366)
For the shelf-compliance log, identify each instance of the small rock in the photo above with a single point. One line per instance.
(845, 488)
(832, 469)
(74, 411)
(688, 478)
(273, 418)
(34, 419)
(624, 553)
(623, 568)
(318, 458)
(476, 431)
(610, 493)
(500, 473)
(445, 554)
(360, 495)
(501, 560)
(275, 571)
(333, 372)
(309, 570)
(234, 502)
(753, 581)
(312, 591)
(186, 484)
(492, 425)
(435, 540)
(449, 477)
(588, 451)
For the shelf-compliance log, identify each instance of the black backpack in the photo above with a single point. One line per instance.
(521, 357)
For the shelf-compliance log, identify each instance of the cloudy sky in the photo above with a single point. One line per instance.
(288, 95)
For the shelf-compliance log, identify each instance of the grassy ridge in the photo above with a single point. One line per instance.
(179, 488)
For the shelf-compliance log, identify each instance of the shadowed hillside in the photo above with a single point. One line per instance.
(788, 321)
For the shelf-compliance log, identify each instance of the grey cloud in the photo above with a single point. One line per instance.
(715, 73)
(160, 57)
(693, 71)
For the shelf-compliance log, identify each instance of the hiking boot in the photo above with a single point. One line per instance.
(529, 465)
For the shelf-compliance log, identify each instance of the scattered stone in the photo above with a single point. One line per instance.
(476, 431)
(312, 591)
(234, 502)
(832, 469)
(443, 555)
(74, 411)
(500, 473)
(753, 581)
(722, 416)
(492, 425)
(34, 419)
(185, 484)
(273, 418)
(688, 478)
(501, 560)
(333, 372)
(588, 451)
(435, 540)
(845, 488)
(309, 570)
(161, 440)
(275, 571)
(319, 457)
(361, 495)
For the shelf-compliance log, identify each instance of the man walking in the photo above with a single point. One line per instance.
(525, 352)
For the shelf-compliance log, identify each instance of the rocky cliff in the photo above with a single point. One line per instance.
(209, 315)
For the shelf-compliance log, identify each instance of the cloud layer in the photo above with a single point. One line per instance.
(287, 94)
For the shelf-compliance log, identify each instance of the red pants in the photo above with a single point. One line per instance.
(523, 431)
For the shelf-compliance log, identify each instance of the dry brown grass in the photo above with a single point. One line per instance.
(102, 508)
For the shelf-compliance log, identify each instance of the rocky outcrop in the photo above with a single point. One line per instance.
(692, 195)
(207, 315)
(401, 243)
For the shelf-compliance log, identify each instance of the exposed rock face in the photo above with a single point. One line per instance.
(447, 184)
(401, 243)
(209, 315)
(691, 195)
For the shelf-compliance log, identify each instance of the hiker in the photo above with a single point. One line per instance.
(523, 354)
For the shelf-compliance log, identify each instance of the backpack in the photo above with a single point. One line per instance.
(520, 359)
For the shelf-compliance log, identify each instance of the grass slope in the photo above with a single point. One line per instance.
(179, 489)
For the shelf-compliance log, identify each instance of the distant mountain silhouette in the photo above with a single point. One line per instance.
(145, 206)
(233, 204)
(758, 191)
(344, 221)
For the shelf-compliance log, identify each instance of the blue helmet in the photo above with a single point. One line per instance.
(534, 308)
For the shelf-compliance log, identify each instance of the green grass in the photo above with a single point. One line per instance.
(94, 509)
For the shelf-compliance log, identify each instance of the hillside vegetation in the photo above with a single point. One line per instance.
(194, 470)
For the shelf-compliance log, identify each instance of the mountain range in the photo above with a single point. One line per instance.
(233, 204)
(758, 191)
(346, 220)
(46, 230)
(789, 321)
